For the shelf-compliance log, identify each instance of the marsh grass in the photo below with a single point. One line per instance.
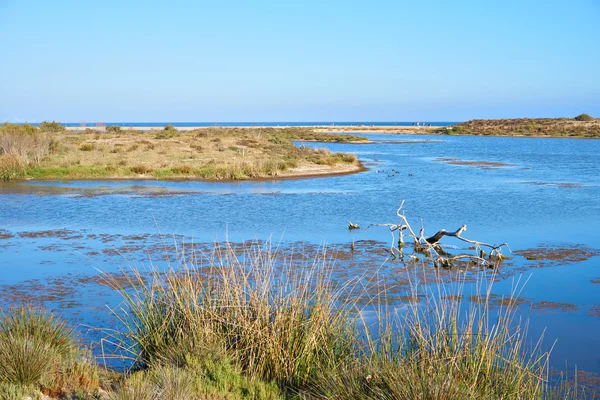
(39, 350)
(276, 324)
(442, 348)
(287, 322)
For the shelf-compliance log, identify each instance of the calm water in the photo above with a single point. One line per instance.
(549, 194)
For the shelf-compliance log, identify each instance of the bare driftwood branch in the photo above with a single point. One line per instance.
(430, 247)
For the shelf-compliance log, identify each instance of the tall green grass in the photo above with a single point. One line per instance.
(39, 350)
(287, 322)
(276, 324)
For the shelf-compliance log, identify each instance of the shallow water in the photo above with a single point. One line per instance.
(548, 194)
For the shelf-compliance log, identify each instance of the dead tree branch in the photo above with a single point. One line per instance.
(430, 247)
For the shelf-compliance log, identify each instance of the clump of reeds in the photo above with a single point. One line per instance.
(287, 322)
(442, 348)
(39, 350)
(283, 325)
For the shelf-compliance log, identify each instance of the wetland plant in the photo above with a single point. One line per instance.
(290, 325)
(39, 350)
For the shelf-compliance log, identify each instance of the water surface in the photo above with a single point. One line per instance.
(524, 191)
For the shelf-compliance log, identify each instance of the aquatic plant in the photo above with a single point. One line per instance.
(275, 324)
(289, 323)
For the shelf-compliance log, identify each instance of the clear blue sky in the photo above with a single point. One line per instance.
(304, 60)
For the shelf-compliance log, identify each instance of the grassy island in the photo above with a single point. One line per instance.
(581, 126)
(52, 152)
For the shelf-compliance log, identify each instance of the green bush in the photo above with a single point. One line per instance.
(11, 167)
(37, 349)
(584, 117)
(141, 169)
(168, 132)
(51, 126)
(113, 128)
(32, 341)
(25, 141)
(87, 147)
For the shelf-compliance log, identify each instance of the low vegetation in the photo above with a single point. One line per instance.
(39, 352)
(580, 126)
(47, 152)
(241, 326)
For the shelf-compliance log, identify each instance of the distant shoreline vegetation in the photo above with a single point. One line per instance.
(50, 151)
(582, 125)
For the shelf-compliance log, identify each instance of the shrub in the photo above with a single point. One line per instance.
(11, 167)
(51, 126)
(584, 117)
(87, 147)
(39, 349)
(182, 169)
(113, 129)
(141, 169)
(25, 141)
(346, 157)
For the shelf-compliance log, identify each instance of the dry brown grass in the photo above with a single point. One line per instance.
(211, 153)
(529, 127)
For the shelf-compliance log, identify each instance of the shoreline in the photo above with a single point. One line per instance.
(303, 172)
(326, 128)
(441, 130)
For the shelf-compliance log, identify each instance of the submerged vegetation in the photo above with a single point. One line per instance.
(49, 152)
(581, 126)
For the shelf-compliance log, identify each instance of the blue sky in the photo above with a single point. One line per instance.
(297, 61)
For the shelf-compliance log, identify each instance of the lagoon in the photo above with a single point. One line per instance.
(529, 192)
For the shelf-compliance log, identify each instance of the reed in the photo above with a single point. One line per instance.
(286, 322)
(246, 322)
(276, 323)
(39, 350)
